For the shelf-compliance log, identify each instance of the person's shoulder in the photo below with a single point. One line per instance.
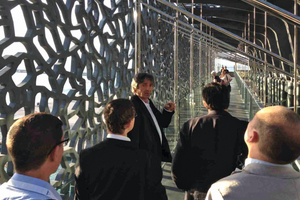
(235, 179)
(9, 192)
(96, 149)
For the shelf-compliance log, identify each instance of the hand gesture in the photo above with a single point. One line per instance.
(170, 106)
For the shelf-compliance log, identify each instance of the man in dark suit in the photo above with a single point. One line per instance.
(148, 133)
(113, 169)
(209, 145)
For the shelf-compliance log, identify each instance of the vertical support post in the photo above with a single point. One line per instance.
(176, 95)
(206, 58)
(254, 38)
(136, 38)
(295, 58)
(192, 53)
(200, 50)
(245, 37)
(140, 33)
(254, 28)
(248, 31)
(265, 64)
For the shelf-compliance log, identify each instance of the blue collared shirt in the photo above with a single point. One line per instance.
(26, 187)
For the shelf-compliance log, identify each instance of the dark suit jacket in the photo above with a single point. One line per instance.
(145, 136)
(144, 133)
(207, 150)
(112, 169)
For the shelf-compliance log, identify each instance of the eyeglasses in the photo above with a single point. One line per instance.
(65, 140)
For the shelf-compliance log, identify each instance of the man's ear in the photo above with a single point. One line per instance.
(252, 137)
(205, 104)
(128, 124)
(54, 153)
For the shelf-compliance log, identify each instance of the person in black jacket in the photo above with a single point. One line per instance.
(113, 169)
(148, 133)
(209, 145)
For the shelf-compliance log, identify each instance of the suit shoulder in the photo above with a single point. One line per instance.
(94, 149)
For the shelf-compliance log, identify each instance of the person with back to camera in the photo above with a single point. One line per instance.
(216, 78)
(209, 145)
(226, 79)
(148, 133)
(114, 169)
(35, 144)
(273, 140)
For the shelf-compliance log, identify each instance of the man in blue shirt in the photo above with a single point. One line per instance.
(35, 144)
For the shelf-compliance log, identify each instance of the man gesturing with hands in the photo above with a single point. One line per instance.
(148, 134)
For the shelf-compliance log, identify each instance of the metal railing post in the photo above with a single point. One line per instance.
(140, 34)
(295, 57)
(192, 53)
(136, 37)
(200, 50)
(265, 64)
(176, 95)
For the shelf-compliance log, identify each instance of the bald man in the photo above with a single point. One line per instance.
(273, 140)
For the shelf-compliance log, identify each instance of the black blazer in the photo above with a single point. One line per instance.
(144, 133)
(207, 150)
(111, 170)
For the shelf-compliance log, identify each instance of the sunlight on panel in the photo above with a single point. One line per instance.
(45, 16)
(106, 29)
(76, 33)
(121, 28)
(19, 77)
(68, 64)
(130, 50)
(19, 21)
(61, 34)
(110, 41)
(40, 48)
(107, 3)
(20, 113)
(73, 14)
(42, 80)
(79, 53)
(67, 87)
(50, 39)
(7, 98)
(14, 48)
(130, 64)
(97, 44)
(2, 35)
(60, 14)
(119, 48)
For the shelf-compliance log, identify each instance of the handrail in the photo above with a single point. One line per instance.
(219, 42)
(228, 33)
(275, 11)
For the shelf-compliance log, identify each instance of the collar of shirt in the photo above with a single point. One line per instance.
(252, 160)
(154, 119)
(118, 137)
(33, 185)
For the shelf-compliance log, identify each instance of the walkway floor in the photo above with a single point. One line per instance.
(193, 107)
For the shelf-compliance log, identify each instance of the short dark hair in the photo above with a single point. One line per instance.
(216, 96)
(277, 141)
(31, 138)
(118, 113)
(139, 78)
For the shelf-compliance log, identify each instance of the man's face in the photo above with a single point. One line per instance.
(144, 90)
